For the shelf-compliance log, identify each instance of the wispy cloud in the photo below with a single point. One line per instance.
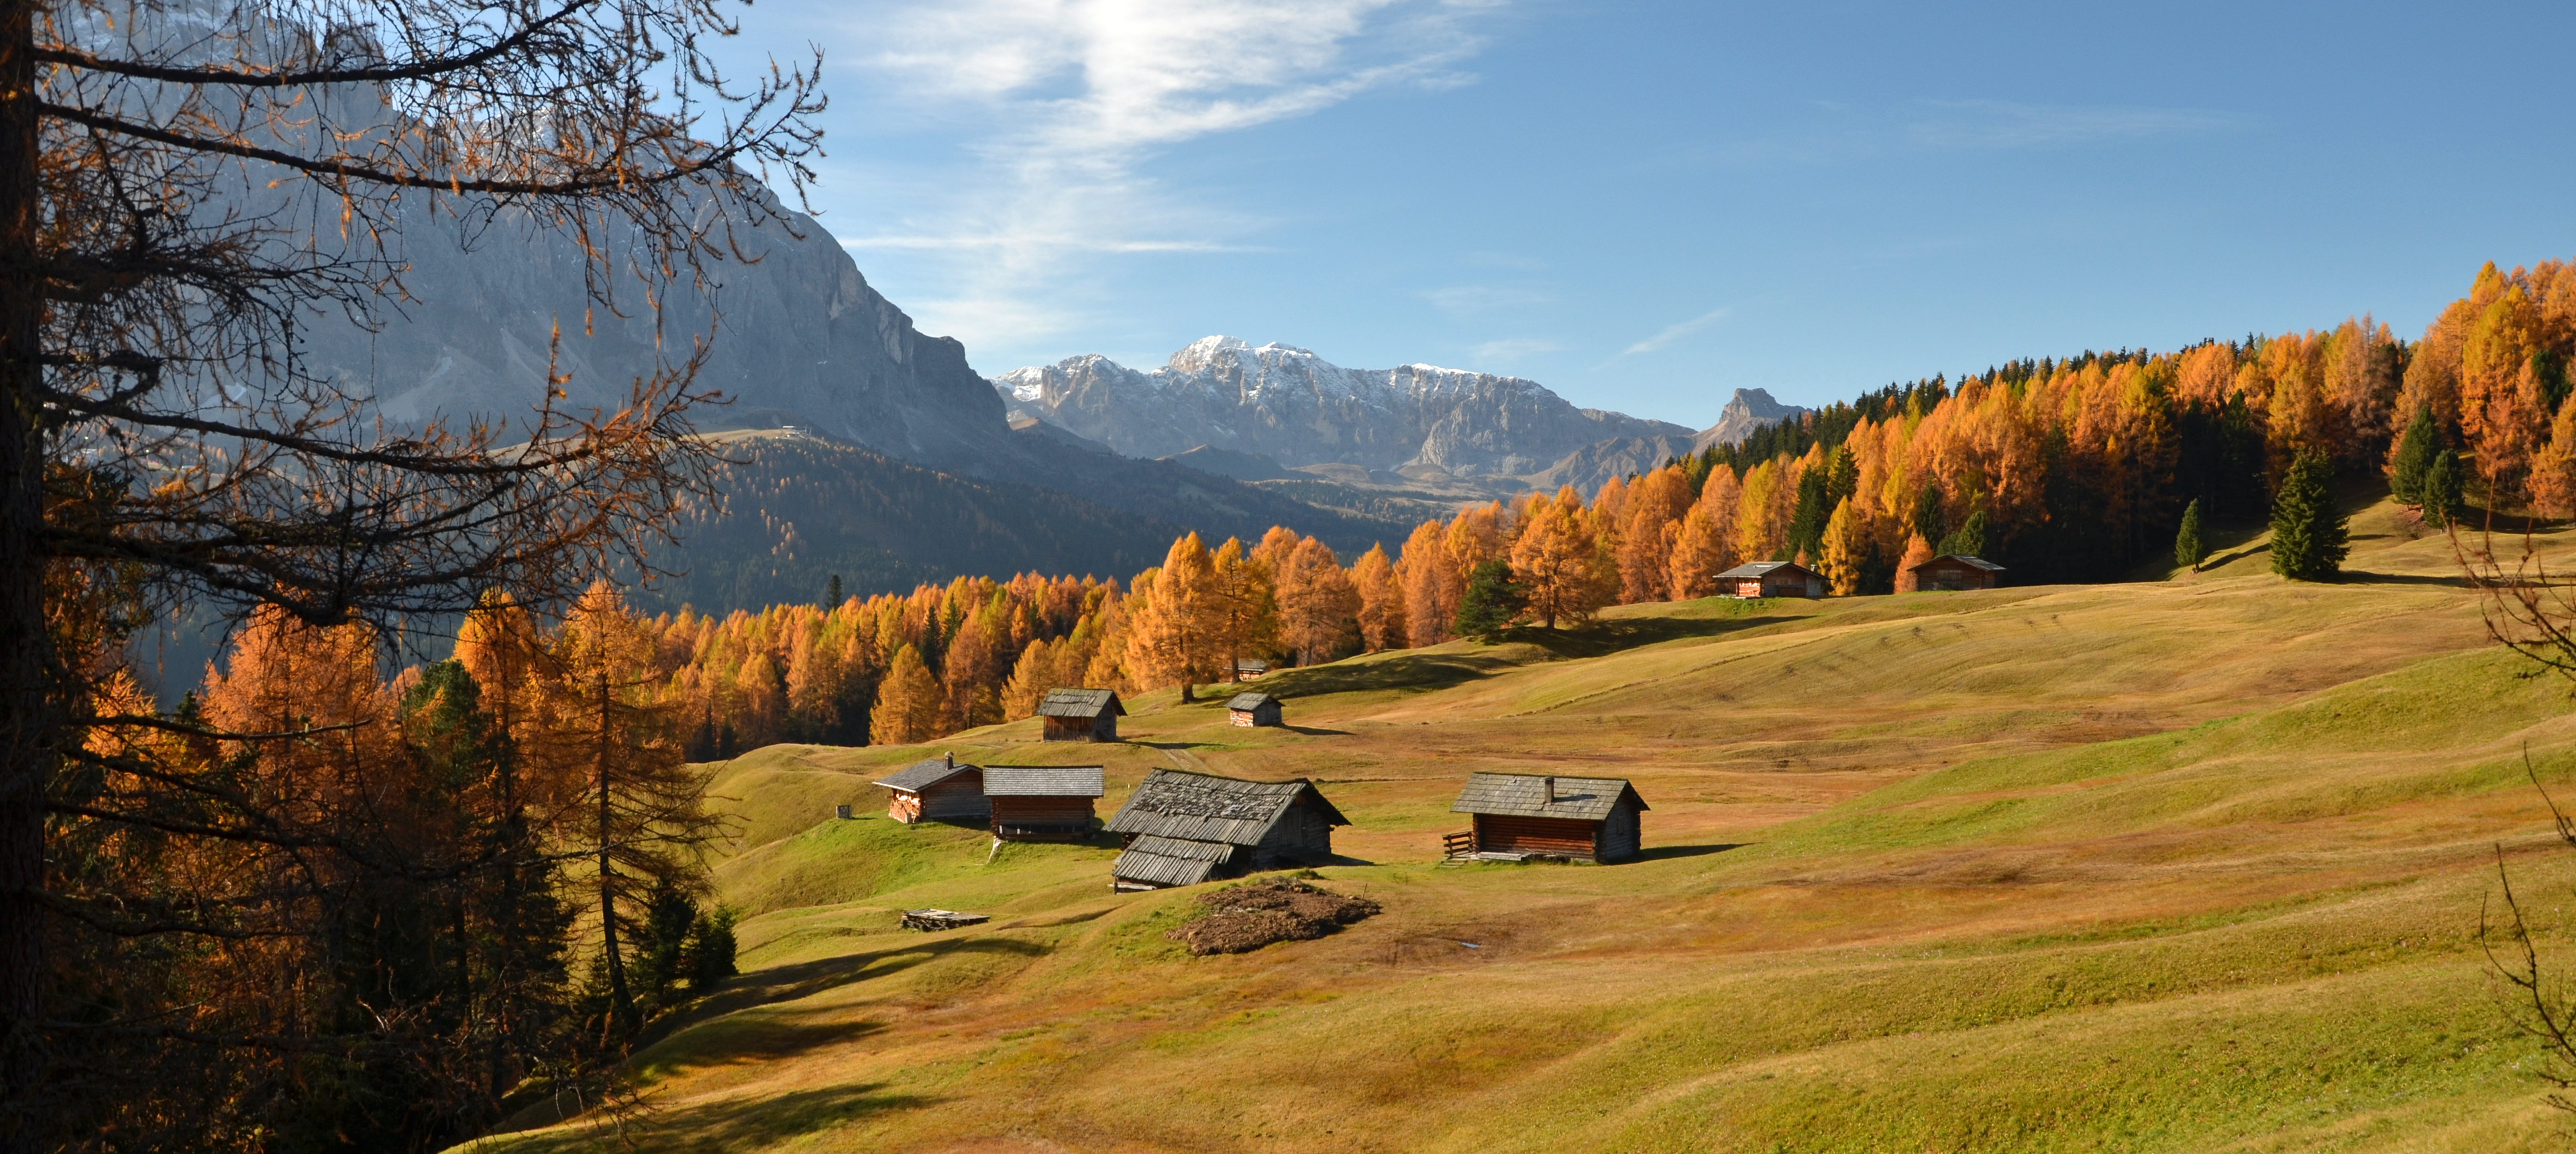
(1065, 105)
(1674, 332)
(1460, 300)
(1999, 124)
(1510, 350)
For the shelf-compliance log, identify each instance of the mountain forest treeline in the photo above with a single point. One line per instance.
(2074, 470)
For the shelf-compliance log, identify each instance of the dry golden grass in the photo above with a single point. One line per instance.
(2190, 865)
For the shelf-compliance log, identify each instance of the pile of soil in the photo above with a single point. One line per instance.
(1244, 918)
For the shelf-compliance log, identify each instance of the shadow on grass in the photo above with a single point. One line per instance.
(1420, 671)
(2359, 577)
(805, 979)
(740, 1123)
(1600, 638)
(1669, 852)
(1312, 731)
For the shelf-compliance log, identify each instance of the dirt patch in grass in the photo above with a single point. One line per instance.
(1244, 918)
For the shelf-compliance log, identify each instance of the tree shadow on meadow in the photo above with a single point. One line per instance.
(1669, 852)
(1413, 671)
(790, 982)
(1602, 637)
(745, 1122)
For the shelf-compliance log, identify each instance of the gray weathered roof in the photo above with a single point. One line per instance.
(1758, 568)
(1526, 795)
(921, 775)
(1964, 559)
(1042, 781)
(1080, 703)
(1249, 701)
(1170, 861)
(1203, 807)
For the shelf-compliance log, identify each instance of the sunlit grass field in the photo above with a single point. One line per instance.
(2180, 865)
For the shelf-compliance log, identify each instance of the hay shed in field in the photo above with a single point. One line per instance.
(1184, 828)
(1080, 715)
(1530, 815)
(1042, 802)
(1253, 709)
(1249, 667)
(940, 789)
(1770, 579)
(1949, 571)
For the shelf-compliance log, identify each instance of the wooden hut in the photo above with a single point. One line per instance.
(1081, 715)
(1042, 802)
(939, 789)
(1249, 667)
(1526, 815)
(1253, 709)
(1184, 828)
(1949, 571)
(1770, 579)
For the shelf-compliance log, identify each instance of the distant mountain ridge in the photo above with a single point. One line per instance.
(1287, 404)
(1746, 411)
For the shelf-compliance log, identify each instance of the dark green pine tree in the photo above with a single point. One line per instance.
(1489, 603)
(2188, 549)
(832, 593)
(1968, 540)
(2415, 453)
(2308, 535)
(2441, 491)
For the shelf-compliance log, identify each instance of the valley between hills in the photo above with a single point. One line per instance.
(2190, 864)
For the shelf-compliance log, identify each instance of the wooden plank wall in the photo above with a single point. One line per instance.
(1619, 835)
(1072, 813)
(1504, 834)
(959, 798)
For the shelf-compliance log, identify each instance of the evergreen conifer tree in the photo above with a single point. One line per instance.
(1490, 602)
(2415, 453)
(2188, 550)
(2440, 493)
(1968, 540)
(2308, 535)
(832, 593)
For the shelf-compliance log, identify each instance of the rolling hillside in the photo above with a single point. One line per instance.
(2171, 866)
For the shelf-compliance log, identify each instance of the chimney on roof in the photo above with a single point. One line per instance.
(952, 758)
(1550, 780)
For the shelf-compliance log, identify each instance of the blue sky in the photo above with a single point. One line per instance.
(1646, 206)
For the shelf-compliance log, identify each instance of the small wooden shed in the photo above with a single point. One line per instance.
(1770, 579)
(1249, 667)
(1578, 818)
(1949, 571)
(1184, 828)
(1080, 715)
(939, 789)
(1042, 802)
(1253, 709)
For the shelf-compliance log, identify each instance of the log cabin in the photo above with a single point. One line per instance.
(1949, 571)
(1250, 667)
(1770, 579)
(939, 789)
(1184, 828)
(1080, 715)
(1042, 802)
(1253, 709)
(1590, 819)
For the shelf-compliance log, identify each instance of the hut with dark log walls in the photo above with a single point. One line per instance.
(1770, 579)
(1949, 571)
(1183, 828)
(1080, 715)
(1577, 818)
(1253, 709)
(939, 789)
(1042, 802)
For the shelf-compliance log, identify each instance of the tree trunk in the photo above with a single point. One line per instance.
(29, 719)
(619, 1009)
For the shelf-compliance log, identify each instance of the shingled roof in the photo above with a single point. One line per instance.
(1758, 568)
(1167, 861)
(921, 775)
(1248, 700)
(1042, 781)
(1965, 559)
(1172, 803)
(1083, 703)
(1528, 795)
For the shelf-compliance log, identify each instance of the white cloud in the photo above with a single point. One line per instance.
(1064, 104)
(1462, 299)
(1674, 332)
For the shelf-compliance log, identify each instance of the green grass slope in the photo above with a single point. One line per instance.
(2172, 866)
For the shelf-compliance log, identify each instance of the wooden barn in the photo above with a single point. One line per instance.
(1253, 709)
(1249, 667)
(1526, 815)
(1042, 802)
(1770, 579)
(1080, 715)
(1184, 828)
(1949, 571)
(937, 790)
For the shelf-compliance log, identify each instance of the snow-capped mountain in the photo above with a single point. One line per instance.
(1296, 408)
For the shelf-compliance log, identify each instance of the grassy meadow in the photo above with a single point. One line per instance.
(2183, 865)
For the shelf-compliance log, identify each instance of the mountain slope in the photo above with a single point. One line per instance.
(2172, 866)
(1746, 411)
(1296, 408)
